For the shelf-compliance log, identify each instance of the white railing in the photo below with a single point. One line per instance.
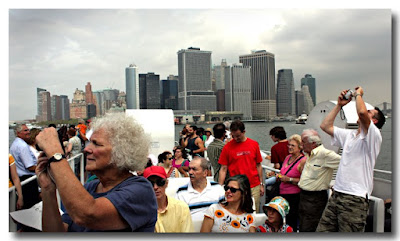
(12, 192)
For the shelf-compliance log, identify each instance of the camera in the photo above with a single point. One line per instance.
(348, 94)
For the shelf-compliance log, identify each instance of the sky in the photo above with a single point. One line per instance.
(63, 49)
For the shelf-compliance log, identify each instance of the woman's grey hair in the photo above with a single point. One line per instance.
(130, 144)
(312, 136)
(297, 139)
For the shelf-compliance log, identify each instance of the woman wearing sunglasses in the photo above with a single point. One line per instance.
(235, 214)
(165, 160)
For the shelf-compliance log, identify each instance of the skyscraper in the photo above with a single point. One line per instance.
(222, 75)
(238, 90)
(285, 93)
(55, 107)
(299, 102)
(169, 93)
(89, 95)
(46, 106)
(132, 87)
(310, 82)
(64, 107)
(263, 94)
(39, 103)
(194, 70)
(308, 103)
(149, 91)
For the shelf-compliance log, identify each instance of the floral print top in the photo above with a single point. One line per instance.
(226, 222)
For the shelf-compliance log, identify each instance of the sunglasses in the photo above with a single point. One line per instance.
(159, 182)
(233, 190)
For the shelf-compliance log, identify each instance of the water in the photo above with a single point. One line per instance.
(259, 131)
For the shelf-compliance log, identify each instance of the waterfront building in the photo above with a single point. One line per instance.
(88, 94)
(91, 110)
(64, 103)
(285, 93)
(310, 82)
(78, 107)
(263, 93)
(308, 103)
(221, 75)
(99, 98)
(39, 103)
(132, 87)
(299, 102)
(45, 106)
(149, 91)
(169, 93)
(55, 107)
(238, 90)
(194, 86)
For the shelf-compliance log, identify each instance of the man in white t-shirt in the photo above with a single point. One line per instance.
(348, 206)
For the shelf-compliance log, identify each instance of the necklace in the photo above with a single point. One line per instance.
(290, 162)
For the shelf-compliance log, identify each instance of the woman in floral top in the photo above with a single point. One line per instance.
(236, 213)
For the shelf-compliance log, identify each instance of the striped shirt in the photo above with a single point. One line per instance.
(213, 152)
(200, 201)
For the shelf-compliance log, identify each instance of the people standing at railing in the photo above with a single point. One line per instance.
(242, 156)
(165, 160)
(315, 179)
(117, 200)
(279, 152)
(180, 161)
(348, 206)
(215, 148)
(193, 142)
(290, 176)
(235, 213)
(32, 141)
(25, 162)
(173, 215)
(199, 193)
(14, 181)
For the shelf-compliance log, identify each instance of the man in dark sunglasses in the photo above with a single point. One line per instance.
(173, 215)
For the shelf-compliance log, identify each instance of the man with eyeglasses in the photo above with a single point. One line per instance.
(200, 193)
(26, 162)
(315, 179)
(348, 206)
(173, 215)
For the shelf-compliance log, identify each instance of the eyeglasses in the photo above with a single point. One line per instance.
(233, 190)
(159, 182)
(170, 158)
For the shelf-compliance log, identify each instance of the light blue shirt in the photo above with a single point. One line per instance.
(23, 156)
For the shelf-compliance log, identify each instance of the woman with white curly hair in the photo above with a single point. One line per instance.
(117, 200)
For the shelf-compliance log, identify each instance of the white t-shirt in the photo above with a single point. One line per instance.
(356, 169)
(227, 222)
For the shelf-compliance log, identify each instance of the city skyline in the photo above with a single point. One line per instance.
(65, 49)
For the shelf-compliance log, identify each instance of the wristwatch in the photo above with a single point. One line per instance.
(290, 180)
(56, 157)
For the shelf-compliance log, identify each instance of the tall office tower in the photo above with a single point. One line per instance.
(64, 107)
(285, 95)
(55, 107)
(39, 103)
(299, 102)
(46, 106)
(88, 94)
(169, 93)
(99, 98)
(149, 91)
(194, 70)
(310, 82)
(308, 103)
(263, 93)
(238, 90)
(110, 98)
(132, 87)
(91, 110)
(222, 75)
(78, 107)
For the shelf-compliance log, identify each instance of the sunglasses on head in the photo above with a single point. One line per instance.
(233, 190)
(159, 182)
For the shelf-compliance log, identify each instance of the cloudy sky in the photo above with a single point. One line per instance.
(61, 50)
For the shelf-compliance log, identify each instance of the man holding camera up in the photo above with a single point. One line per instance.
(348, 206)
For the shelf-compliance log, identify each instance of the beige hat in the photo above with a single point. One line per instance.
(209, 130)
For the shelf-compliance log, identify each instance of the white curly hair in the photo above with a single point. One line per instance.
(130, 144)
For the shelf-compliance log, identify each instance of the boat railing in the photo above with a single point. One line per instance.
(12, 192)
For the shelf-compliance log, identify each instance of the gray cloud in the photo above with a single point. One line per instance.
(61, 50)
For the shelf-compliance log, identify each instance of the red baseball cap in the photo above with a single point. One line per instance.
(155, 171)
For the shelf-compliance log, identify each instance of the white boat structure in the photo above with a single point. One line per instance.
(302, 119)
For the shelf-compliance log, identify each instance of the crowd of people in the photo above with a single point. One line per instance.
(127, 191)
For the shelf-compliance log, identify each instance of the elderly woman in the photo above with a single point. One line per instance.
(290, 177)
(117, 200)
(236, 213)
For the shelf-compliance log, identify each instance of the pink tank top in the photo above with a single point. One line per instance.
(285, 187)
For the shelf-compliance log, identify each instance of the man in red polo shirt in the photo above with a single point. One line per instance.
(242, 156)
